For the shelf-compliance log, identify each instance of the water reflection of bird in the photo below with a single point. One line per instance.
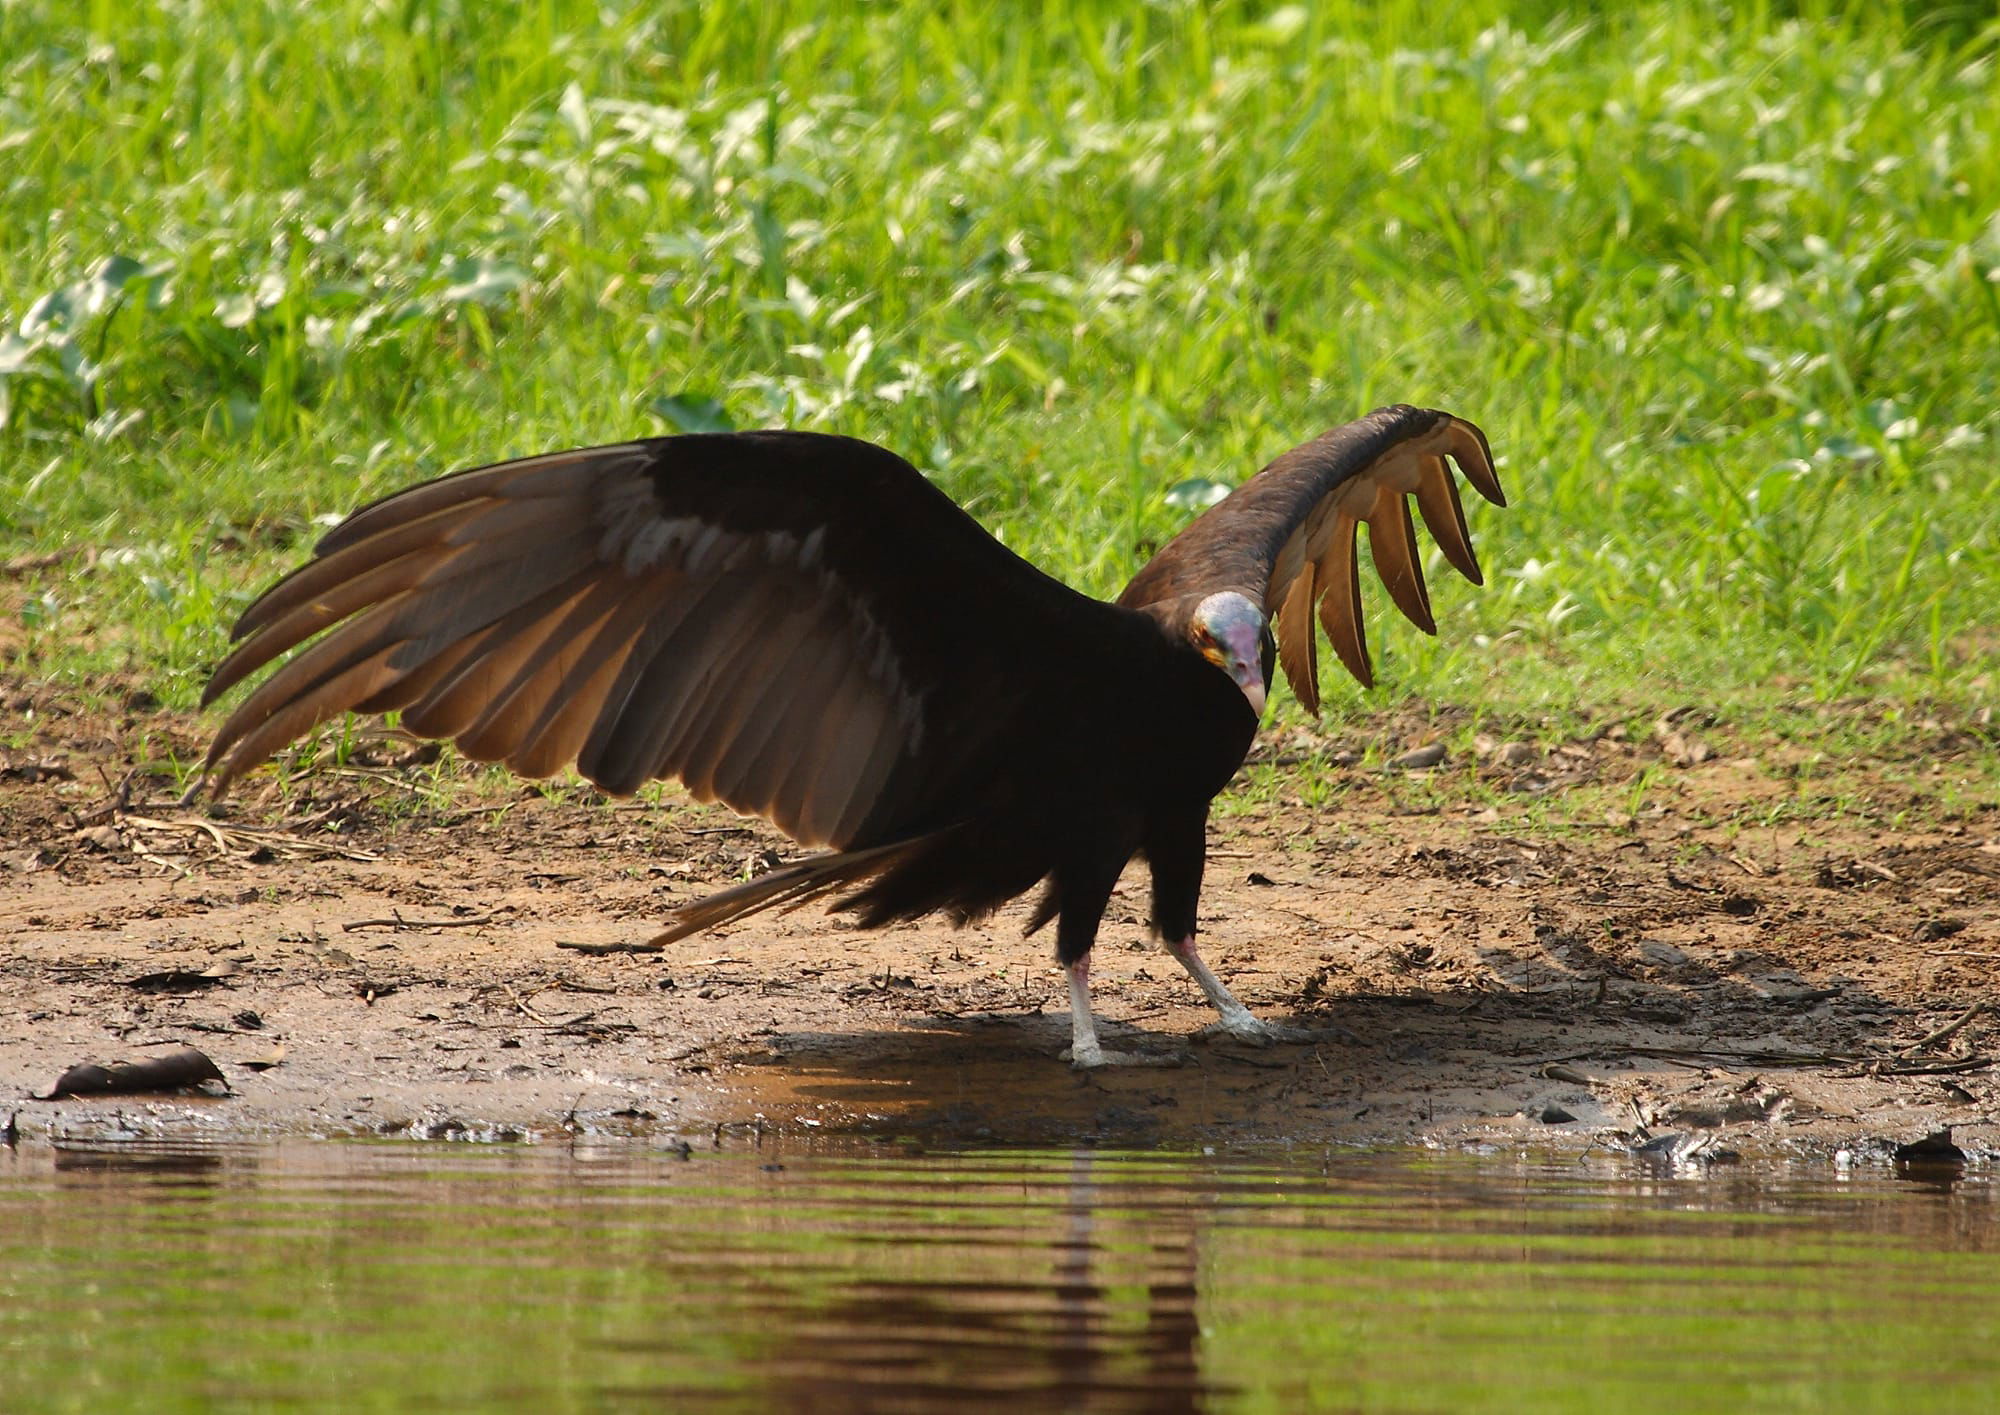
(1073, 1290)
(804, 628)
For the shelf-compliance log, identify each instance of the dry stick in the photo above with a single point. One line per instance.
(470, 811)
(283, 840)
(598, 950)
(385, 775)
(247, 838)
(153, 859)
(531, 1011)
(190, 824)
(117, 799)
(399, 923)
(1695, 1056)
(1949, 1030)
(1915, 1068)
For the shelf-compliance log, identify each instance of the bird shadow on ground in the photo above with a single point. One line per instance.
(1680, 1043)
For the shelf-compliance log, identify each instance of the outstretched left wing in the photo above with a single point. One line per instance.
(796, 624)
(1286, 537)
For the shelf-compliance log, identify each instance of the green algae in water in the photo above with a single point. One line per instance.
(355, 1277)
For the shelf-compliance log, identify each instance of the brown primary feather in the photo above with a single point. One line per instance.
(1298, 654)
(1337, 575)
(1437, 499)
(1392, 541)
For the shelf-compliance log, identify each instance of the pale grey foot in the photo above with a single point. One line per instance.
(1084, 1051)
(1237, 1021)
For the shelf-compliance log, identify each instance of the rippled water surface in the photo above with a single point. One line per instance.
(362, 1277)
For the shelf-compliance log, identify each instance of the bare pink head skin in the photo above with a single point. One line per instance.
(1228, 628)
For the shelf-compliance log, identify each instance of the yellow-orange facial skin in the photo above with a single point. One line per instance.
(1229, 629)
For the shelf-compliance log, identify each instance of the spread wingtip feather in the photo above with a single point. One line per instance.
(1317, 566)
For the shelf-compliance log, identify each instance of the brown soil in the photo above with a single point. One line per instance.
(396, 947)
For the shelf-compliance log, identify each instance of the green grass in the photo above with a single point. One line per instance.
(1722, 287)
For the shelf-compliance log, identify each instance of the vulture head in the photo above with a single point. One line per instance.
(1229, 631)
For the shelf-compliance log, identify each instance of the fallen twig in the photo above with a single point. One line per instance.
(1851, 1065)
(169, 865)
(598, 950)
(1947, 1031)
(1924, 1068)
(539, 1017)
(400, 924)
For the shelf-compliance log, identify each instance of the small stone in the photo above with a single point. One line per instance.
(1661, 955)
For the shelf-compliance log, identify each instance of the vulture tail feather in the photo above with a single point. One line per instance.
(789, 886)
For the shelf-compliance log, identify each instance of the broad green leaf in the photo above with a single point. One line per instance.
(1197, 493)
(483, 282)
(691, 412)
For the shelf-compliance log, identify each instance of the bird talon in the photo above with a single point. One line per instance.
(1257, 1033)
(1094, 1057)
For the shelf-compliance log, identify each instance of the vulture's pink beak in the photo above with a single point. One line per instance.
(1250, 678)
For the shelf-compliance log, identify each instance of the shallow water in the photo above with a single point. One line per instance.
(374, 1277)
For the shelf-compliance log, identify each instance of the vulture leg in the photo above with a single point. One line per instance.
(1177, 849)
(1082, 887)
(1177, 852)
(1237, 1021)
(1085, 1052)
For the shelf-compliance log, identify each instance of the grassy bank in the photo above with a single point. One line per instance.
(1725, 295)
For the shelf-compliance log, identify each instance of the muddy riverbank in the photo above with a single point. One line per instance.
(367, 951)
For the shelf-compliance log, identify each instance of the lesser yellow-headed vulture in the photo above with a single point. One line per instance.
(805, 628)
